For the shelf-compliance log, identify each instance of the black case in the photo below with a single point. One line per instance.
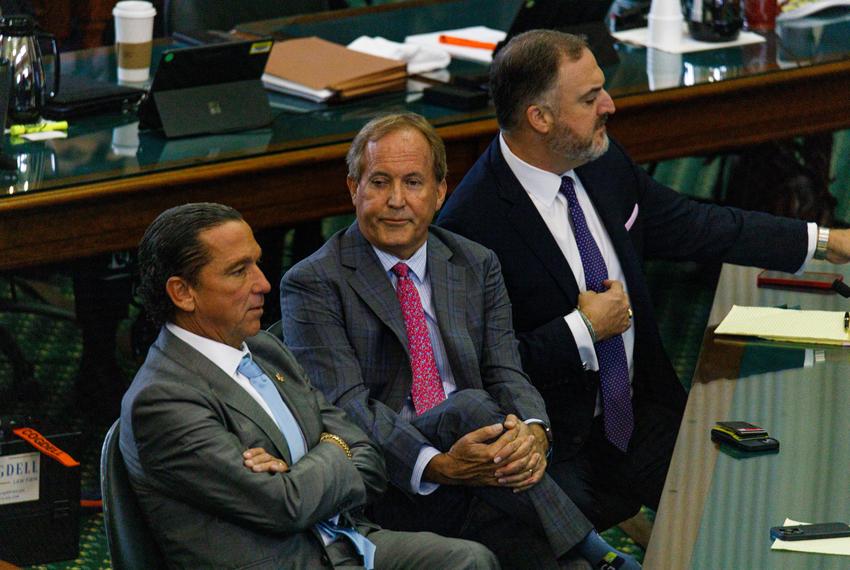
(79, 97)
(46, 530)
(455, 97)
(208, 89)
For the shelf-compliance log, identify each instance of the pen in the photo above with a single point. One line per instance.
(454, 41)
(17, 130)
(846, 321)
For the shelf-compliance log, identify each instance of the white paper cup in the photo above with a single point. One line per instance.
(133, 37)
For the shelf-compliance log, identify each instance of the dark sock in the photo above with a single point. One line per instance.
(602, 555)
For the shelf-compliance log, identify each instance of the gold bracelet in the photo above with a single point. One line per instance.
(337, 440)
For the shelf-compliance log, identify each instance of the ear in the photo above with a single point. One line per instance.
(441, 193)
(180, 293)
(352, 188)
(539, 118)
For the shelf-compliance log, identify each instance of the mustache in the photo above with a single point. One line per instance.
(600, 122)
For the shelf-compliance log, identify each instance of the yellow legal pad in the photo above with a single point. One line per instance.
(789, 325)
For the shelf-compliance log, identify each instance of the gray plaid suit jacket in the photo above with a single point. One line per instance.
(342, 320)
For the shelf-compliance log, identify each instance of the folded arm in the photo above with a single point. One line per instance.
(188, 453)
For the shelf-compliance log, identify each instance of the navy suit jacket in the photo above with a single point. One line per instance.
(491, 207)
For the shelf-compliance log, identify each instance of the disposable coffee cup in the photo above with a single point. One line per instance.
(665, 23)
(133, 37)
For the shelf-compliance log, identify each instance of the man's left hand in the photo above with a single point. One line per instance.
(838, 248)
(257, 460)
(525, 467)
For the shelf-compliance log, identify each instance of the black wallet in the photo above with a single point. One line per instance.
(79, 96)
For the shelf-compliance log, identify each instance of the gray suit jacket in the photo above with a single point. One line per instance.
(184, 426)
(343, 321)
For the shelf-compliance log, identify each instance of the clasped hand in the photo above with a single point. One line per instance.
(505, 455)
(608, 311)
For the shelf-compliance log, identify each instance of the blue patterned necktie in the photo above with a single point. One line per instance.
(295, 440)
(611, 352)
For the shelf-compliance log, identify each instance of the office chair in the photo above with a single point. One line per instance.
(276, 329)
(131, 545)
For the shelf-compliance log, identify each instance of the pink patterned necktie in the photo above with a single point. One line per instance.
(427, 388)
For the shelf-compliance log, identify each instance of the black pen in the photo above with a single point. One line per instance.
(846, 321)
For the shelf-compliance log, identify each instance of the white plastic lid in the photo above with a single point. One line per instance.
(134, 9)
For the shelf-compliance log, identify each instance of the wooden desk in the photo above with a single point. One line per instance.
(715, 510)
(86, 211)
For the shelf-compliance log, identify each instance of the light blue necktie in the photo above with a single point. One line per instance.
(282, 415)
(295, 440)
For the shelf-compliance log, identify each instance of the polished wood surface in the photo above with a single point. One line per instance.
(84, 218)
(713, 117)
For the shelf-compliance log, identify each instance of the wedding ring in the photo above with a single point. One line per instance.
(631, 314)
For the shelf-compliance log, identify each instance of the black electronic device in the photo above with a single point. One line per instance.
(581, 17)
(455, 97)
(208, 89)
(7, 163)
(743, 436)
(741, 430)
(204, 37)
(811, 531)
(81, 96)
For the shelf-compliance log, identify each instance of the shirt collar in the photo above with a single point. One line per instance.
(542, 185)
(417, 263)
(222, 355)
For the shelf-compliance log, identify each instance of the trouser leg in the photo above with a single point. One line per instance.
(545, 506)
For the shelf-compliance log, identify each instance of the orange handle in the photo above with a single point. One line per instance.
(451, 40)
(44, 445)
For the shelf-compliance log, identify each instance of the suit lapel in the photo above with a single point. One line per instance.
(530, 225)
(448, 293)
(370, 282)
(200, 369)
(608, 203)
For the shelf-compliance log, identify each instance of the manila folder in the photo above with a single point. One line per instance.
(320, 64)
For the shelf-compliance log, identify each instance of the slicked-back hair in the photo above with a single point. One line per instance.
(171, 247)
(526, 70)
(380, 127)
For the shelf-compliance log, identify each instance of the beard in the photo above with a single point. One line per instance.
(564, 141)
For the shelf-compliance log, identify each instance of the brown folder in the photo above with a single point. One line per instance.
(320, 65)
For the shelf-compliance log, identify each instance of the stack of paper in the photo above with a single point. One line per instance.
(789, 325)
(320, 70)
(475, 34)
